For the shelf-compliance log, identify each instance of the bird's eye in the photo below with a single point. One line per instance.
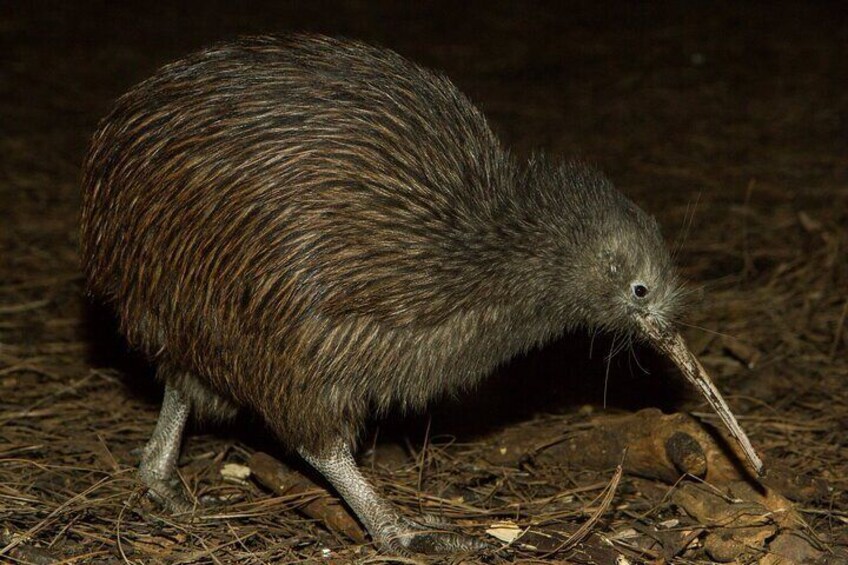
(639, 290)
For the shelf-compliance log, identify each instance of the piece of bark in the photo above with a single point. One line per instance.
(740, 520)
(321, 505)
(742, 512)
(796, 486)
(659, 446)
(669, 543)
(714, 509)
(789, 548)
(726, 545)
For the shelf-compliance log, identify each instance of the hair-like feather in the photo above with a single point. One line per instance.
(316, 229)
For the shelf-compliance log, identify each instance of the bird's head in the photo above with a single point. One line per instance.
(625, 272)
(619, 277)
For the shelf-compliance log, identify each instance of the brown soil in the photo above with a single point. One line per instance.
(729, 123)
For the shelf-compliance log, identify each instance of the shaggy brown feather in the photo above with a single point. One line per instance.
(317, 229)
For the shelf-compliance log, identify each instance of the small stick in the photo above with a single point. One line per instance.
(608, 494)
(324, 507)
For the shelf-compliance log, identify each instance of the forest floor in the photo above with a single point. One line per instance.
(728, 123)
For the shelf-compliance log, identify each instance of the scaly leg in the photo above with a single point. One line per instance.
(158, 468)
(386, 526)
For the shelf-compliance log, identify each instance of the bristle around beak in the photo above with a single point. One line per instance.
(671, 343)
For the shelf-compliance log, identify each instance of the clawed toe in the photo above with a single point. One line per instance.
(432, 537)
(168, 494)
(435, 543)
(393, 533)
(433, 522)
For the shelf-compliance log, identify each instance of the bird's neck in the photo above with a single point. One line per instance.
(534, 241)
(515, 284)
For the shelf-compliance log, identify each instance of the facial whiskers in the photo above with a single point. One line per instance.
(634, 357)
(607, 373)
(688, 220)
(615, 349)
(592, 342)
(703, 329)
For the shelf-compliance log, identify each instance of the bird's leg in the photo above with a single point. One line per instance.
(386, 526)
(158, 468)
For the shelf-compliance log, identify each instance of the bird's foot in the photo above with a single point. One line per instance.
(167, 493)
(391, 531)
(429, 536)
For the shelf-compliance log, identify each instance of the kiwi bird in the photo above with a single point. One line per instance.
(317, 230)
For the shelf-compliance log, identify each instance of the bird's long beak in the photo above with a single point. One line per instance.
(670, 342)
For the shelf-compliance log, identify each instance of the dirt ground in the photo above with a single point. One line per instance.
(728, 122)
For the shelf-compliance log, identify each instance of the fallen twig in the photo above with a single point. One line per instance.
(318, 502)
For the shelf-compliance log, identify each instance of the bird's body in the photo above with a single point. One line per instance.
(316, 229)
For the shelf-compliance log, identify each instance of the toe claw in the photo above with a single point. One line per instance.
(170, 499)
(168, 494)
(432, 536)
(445, 542)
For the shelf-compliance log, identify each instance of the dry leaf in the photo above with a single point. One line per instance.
(506, 532)
(235, 472)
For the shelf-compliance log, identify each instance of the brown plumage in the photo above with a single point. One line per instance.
(316, 229)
